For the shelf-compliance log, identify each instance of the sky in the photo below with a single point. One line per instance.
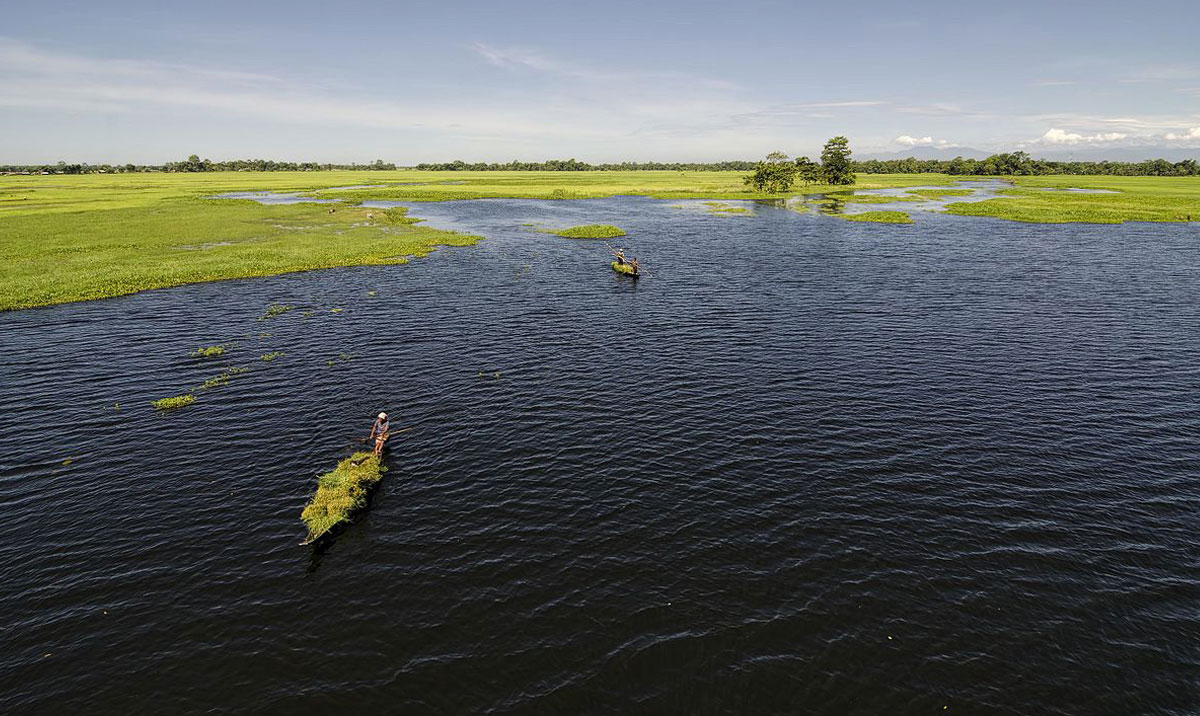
(408, 82)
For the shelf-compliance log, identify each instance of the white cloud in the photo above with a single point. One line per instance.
(908, 141)
(1191, 134)
(1059, 136)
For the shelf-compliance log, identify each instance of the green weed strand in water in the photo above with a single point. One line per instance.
(341, 493)
(275, 309)
(210, 352)
(268, 357)
(178, 401)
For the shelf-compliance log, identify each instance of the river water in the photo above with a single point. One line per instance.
(806, 466)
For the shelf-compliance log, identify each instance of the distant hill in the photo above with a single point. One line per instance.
(1063, 154)
(1117, 154)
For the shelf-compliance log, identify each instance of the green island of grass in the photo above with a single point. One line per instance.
(869, 198)
(722, 209)
(210, 352)
(878, 217)
(178, 401)
(341, 493)
(91, 236)
(919, 194)
(588, 231)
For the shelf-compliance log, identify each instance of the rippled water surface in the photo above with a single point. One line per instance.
(805, 466)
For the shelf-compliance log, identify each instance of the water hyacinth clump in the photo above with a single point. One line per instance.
(270, 356)
(274, 310)
(210, 352)
(178, 401)
(588, 231)
(341, 493)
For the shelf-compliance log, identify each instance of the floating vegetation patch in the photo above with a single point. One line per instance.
(799, 208)
(178, 401)
(340, 357)
(587, 231)
(395, 216)
(210, 352)
(937, 193)
(219, 380)
(874, 198)
(268, 357)
(335, 310)
(371, 294)
(879, 217)
(341, 493)
(275, 309)
(722, 209)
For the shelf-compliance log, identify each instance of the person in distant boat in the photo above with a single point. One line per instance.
(633, 265)
(379, 431)
(620, 256)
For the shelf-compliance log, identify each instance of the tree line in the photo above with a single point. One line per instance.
(803, 169)
(1021, 164)
(573, 165)
(192, 164)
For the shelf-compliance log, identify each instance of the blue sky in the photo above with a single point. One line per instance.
(599, 81)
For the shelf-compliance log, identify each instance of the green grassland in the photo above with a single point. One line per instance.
(1042, 199)
(74, 238)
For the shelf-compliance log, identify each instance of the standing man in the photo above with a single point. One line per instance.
(379, 431)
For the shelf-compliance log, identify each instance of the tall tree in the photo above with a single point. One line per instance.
(835, 161)
(773, 175)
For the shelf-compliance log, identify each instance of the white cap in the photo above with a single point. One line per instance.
(383, 415)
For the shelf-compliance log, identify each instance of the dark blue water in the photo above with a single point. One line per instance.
(807, 466)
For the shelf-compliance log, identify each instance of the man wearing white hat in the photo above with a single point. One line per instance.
(379, 431)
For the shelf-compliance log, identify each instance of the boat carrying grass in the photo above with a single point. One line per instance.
(623, 268)
(341, 493)
(588, 231)
(878, 217)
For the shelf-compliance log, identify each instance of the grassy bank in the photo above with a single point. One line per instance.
(1045, 199)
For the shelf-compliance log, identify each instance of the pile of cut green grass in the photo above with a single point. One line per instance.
(178, 401)
(588, 231)
(341, 493)
(879, 217)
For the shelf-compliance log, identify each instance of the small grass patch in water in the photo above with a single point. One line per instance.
(588, 231)
(872, 198)
(268, 357)
(210, 352)
(219, 380)
(396, 216)
(879, 217)
(937, 193)
(723, 209)
(275, 309)
(179, 401)
(341, 493)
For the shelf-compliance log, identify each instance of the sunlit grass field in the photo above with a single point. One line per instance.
(1042, 199)
(80, 237)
